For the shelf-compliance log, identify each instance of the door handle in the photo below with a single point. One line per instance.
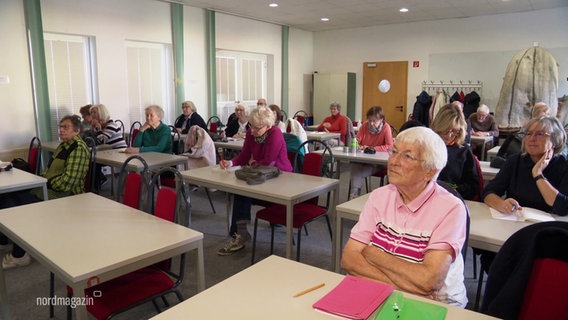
(399, 108)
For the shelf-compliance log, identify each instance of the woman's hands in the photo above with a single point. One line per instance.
(224, 164)
(542, 163)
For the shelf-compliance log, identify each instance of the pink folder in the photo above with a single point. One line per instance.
(354, 298)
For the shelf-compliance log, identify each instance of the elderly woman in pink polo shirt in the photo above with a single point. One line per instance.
(411, 231)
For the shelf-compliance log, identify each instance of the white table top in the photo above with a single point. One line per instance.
(116, 157)
(322, 136)
(265, 291)
(480, 139)
(488, 172)
(380, 157)
(15, 180)
(232, 145)
(88, 238)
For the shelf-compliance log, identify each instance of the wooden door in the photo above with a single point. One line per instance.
(393, 101)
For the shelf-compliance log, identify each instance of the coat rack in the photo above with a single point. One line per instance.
(450, 86)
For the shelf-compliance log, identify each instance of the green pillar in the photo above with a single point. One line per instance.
(32, 13)
(177, 41)
(285, 77)
(212, 63)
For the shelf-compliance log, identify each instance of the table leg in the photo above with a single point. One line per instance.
(45, 197)
(230, 199)
(4, 306)
(289, 233)
(200, 268)
(81, 308)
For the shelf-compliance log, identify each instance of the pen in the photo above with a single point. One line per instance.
(301, 293)
(222, 159)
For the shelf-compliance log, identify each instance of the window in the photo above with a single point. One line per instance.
(241, 77)
(70, 75)
(150, 74)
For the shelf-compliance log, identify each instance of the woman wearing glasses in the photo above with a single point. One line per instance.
(538, 176)
(374, 133)
(410, 232)
(460, 172)
(238, 127)
(264, 145)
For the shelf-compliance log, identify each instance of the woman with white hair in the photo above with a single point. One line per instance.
(237, 128)
(411, 231)
(264, 145)
(106, 130)
(154, 135)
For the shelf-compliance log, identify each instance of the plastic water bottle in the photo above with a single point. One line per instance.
(354, 145)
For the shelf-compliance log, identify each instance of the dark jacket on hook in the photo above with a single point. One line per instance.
(471, 103)
(421, 107)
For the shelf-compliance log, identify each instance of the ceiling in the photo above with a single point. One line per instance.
(345, 14)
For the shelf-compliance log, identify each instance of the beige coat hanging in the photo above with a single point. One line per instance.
(531, 76)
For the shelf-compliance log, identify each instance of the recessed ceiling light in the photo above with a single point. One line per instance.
(273, 5)
(324, 19)
(403, 10)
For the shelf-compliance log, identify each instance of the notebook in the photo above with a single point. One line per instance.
(526, 214)
(401, 308)
(354, 298)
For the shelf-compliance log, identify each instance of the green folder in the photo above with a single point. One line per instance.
(398, 307)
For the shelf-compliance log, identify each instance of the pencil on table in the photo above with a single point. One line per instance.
(301, 293)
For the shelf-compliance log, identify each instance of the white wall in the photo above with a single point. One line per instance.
(240, 34)
(17, 123)
(346, 50)
(196, 59)
(300, 63)
(111, 23)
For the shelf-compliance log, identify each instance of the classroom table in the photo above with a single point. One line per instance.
(265, 291)
(492, 153)
(488, 172)
(287, 189)
(378, 158)
(489, 234)
(16, 180)
(322, 136)
(482, 141)
(233, 144)
(349, 210)
(88, 239)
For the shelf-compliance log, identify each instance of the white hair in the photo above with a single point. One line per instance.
(483, 108)
(432, 147)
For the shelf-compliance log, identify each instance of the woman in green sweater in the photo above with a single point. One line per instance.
(154, 135)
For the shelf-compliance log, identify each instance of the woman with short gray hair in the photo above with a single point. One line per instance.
(154, 135)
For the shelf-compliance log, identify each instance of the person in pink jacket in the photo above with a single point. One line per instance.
(374, 133)
(264, 145)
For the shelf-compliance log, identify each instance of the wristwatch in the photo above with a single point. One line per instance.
(540, 176)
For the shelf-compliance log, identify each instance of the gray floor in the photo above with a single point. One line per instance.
(28, 284)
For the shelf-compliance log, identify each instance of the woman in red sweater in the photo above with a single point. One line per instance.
(375, 133)
(335, 123)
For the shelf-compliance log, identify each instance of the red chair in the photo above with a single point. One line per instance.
(132, 184)
(214, 124)
(313, 164)
(301, 116)
(34, 155)
(152, 282)
(134, 129)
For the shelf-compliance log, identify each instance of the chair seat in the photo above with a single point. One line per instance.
(127, 290)
(303, 213)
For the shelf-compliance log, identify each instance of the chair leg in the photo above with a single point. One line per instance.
(156, 306)
(210, 202)
(272, 239)
(166, 303)
(368, 183)
(474, 264)
(479, 285)
(329, 227)
(69, 310)
(305, 230)
(299, 240)
(254, 241)
(349, 190)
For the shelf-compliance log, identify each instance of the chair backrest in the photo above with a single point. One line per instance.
(134, 129)
(477, 196)
(168, 203)
(350, 135)
(132, 185)
(177, 143)
(90, 183)
(453, 191)
(121, 126)
(214, 123)
(313, 163)
(527, 266)
(34, 155)
(301, 116)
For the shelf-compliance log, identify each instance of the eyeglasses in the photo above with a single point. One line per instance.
(257, 128)
(237, 110)
(374, 121)
(455, 132)
(64, 126)
(537, 134)
(405, 156)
